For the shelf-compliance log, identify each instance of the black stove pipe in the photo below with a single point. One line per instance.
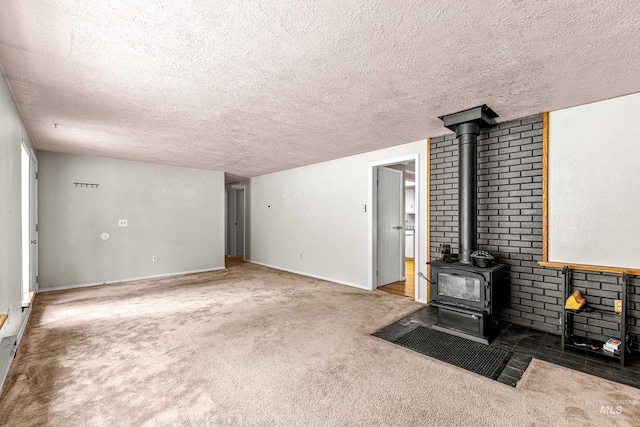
(467, 124)
(467, 134)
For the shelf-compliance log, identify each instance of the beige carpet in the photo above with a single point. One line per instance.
(251, 346)
(587, 400)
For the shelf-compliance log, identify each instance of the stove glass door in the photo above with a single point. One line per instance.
(461, 287)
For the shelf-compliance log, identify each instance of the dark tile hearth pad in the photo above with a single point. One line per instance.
(482, 359)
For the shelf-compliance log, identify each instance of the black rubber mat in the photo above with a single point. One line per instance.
(479, 358)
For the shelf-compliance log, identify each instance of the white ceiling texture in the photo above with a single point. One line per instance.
(253, 87)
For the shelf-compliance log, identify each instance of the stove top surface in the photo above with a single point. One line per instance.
(464, 266)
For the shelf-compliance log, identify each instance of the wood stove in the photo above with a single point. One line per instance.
(466, 296)
(464, 293)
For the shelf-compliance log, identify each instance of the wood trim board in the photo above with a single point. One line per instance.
(428, 204)
(3, 318)
(545, 186)
(27, 299)
(585, 267)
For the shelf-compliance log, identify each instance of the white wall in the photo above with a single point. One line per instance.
(174, 213)
(12, 131)
(594, 197)
(316, 226)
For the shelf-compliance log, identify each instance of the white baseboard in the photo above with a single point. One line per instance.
(8, 349)
(26, 314)
(315, 276)
(155, 276)
(9, 346)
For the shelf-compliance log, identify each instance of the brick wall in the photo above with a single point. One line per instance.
(510, 227)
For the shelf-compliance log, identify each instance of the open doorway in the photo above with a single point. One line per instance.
(236, 223)
(394, 227)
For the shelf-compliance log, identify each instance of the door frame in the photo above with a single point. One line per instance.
(32, 205)
(34, 222)
(373, 220)
(400, 260)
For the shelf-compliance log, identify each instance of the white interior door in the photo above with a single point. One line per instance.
(235, 223)
(390, 228)
(25, 196)
(231, 219)
(29, 195)
(239, 224)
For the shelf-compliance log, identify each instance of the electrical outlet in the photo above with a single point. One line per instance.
(122, 223)
(154, 258)
(300, 256)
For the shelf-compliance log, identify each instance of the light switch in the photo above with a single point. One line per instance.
(364, 208)
(122, 223)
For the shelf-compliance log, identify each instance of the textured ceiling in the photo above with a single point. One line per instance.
(252, 87)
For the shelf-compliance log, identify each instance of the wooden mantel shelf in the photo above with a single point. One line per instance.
(584, 267)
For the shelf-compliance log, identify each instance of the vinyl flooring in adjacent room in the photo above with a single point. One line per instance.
(405, 288)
